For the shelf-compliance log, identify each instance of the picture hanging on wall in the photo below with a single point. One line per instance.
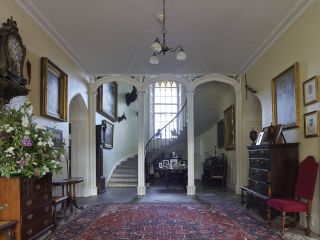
(107, 100)
(229, 128)
(220, 134)
(311, 91)
(285, 98)
(311, 124)
(108, 139)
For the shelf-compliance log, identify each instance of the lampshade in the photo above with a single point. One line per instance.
(156, 46)
(181, 55)
(154, 59)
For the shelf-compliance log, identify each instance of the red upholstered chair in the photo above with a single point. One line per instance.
(304, 189)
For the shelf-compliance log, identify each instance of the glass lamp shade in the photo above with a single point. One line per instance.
(181, 55)
(154, 59)
(156, 47)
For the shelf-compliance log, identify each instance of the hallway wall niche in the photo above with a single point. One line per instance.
(78, 113)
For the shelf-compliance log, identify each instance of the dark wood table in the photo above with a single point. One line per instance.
(68, 188)
(167, 173)
(9, 227)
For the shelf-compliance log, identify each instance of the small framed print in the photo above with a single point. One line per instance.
(165, 164)
(259, 139)
(160, 164)
(311, 124)
(310, 91)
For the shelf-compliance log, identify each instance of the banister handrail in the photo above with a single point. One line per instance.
(159, 131)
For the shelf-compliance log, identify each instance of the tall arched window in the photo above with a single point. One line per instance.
(165, 104)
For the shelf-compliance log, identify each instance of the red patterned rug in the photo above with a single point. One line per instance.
(163, 222)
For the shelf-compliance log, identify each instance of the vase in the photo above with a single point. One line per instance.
(253, 136)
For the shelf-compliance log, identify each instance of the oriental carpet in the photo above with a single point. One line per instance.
(165, 221)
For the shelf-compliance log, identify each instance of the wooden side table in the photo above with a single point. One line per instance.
(7, 230)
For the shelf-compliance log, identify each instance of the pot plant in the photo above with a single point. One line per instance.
(26, 149)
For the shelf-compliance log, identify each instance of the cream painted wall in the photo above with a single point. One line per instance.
(39, 44)
(300, 43)
(125, 142)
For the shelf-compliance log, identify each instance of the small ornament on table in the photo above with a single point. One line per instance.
(253, 136)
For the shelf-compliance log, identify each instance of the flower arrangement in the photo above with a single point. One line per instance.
(26, 149)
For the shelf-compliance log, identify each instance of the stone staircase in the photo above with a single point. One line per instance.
(125, 174)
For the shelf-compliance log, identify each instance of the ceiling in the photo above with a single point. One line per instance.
(114, 36)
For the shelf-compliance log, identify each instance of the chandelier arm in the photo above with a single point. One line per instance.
(175, 49)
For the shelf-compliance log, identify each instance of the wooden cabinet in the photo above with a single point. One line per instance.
(29, 204)
(272, 173)
(214, 172)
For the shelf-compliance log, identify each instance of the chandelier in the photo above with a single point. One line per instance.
(161, 48)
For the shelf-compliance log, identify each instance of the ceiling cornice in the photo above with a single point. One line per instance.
(286, 22)
(38, 17)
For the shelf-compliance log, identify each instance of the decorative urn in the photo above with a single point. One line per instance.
(253, 136)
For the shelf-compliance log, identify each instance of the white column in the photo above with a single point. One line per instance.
(191, 189)
(239, 144)
(141, 189)
(92, 142)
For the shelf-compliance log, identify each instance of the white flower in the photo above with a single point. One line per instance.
(29, 110)
(25, 121)
(10, 129)
(40, 143)
(27, 132)
(9, 150)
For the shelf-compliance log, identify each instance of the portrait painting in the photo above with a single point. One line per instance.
(54, 91)
(285, 98)
(107, 100)
(311, 124)
(108, 138)
(310, 91)
(220, 134)
(229, 128)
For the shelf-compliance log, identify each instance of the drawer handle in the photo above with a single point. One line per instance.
(29, 232)
(38, 187)
(29, 203)
(45, 197)
(30, 216)
(3, 207)
(46, 222)
(47, 209)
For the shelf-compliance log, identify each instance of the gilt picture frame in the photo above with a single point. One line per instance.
(286, 98)
(54, 91)
(311, 91)
(108, 137)
(107, 100)
(311, 124)
(229, 128)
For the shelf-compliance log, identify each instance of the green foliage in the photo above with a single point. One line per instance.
(26, 149)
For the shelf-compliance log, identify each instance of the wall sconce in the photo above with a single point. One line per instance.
(122, 117)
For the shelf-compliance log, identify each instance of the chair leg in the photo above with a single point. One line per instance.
(269, 215)
(295, 219)
(308, 232)
(283, 220)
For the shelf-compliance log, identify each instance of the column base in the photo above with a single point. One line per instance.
(141, 191)
(238, 189)
(93, 191)
(191, 190)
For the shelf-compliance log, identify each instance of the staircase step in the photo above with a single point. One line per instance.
(123, 180)
(122, 184)
(127, 167)
(125, 170)
(125, 175)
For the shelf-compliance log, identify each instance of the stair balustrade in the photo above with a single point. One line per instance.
(172, 133)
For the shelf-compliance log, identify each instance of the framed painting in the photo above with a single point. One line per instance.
(311, 91)
(57, 137)
(311, 124)
(108, 135)
(107, 100)
(54, 91)
(229, 128)
(285, 98)
(220, 134)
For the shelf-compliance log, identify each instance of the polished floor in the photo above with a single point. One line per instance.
(174, 193)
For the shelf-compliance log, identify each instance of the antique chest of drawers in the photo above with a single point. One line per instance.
(28, 203)
(272, 173)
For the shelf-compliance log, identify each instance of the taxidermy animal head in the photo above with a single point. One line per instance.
(131, 97)
(122, 117)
